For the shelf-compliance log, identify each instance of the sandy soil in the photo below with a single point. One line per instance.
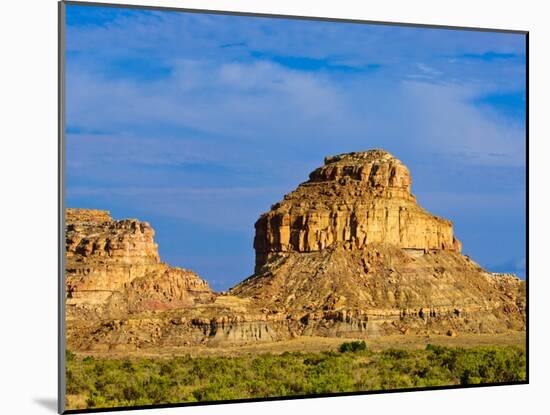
(318, 344)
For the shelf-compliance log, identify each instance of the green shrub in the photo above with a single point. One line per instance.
(69, 356)
(353, 346)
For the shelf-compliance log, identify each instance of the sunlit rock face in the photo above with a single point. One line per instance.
(106, 256)
(354, 199)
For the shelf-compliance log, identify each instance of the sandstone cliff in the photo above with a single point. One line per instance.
(355, 199)
(106, 258)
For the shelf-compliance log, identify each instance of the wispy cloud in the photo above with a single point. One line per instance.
(491, 56)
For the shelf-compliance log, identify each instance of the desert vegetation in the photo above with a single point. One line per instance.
(106, 382)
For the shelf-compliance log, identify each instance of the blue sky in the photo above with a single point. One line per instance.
(198, 123)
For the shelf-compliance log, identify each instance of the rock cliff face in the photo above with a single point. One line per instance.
(349, 253)
(106, 257)
(355, 199)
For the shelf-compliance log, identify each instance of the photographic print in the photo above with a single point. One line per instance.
(262, 207)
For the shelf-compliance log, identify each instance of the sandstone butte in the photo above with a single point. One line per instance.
(349, 253)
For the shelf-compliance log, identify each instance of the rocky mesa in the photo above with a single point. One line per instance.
(116, 263)
(349, 253)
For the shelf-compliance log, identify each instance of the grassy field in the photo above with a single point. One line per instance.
(94, 382)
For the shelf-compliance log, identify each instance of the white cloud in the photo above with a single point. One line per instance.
(185, 34)
(236, 99)
(223, 92)
(266, 101)
(446, 121)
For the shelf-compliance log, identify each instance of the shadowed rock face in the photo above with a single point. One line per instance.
(349, 253)
(355, 199)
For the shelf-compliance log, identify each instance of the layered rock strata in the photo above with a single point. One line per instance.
(106, 258)
(355, 199)
(122, 298)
